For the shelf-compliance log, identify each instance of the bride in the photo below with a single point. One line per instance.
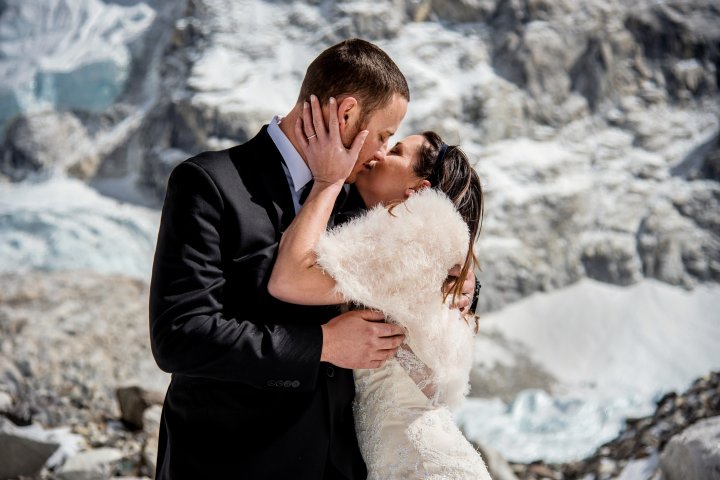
(425, 211)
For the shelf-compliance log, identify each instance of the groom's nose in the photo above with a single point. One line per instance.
(380, 153)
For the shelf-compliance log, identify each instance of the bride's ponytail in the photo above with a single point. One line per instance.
(449, 170)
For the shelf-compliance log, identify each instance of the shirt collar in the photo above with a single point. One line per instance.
(299, 171)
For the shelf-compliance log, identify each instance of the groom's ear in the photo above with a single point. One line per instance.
(348, 112)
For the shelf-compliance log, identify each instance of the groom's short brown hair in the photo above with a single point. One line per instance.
(355, 68)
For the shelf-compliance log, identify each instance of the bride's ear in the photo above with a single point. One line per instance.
(420, 186)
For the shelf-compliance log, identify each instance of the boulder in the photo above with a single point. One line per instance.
(134, 401)
(21, 452)
(693, 454)
(40, 143)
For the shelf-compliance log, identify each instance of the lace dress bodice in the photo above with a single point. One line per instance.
(396, 262)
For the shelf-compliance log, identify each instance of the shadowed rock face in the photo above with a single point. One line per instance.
(683, 41)
(711, 161)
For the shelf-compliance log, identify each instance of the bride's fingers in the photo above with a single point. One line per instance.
(357, 143)
(333, 124)
(307, 122)
(317, 117)
(300, 134)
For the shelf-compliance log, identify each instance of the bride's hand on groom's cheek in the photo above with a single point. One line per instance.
(322, 146)
(360, 339)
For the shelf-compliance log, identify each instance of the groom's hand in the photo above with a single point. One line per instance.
(360, 339)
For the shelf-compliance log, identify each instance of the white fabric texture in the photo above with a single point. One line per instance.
(396, 262)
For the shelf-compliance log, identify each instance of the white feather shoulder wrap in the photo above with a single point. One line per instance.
(396, 262)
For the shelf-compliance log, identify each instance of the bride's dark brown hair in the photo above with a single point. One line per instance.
(461, 183)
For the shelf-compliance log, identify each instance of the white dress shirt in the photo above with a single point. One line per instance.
(296, 170)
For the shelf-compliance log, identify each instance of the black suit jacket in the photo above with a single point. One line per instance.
(249, 397)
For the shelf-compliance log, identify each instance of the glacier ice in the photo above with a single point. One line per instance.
(66, 54)
(63, 224)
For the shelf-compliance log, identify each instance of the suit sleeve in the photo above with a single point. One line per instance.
(189, 333)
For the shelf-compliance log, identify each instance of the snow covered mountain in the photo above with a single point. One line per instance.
(594, 125)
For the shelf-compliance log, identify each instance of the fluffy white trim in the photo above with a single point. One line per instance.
(396, 263)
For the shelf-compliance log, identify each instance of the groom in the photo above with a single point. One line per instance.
(262, 389)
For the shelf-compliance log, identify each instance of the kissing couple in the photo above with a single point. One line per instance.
(313, 293)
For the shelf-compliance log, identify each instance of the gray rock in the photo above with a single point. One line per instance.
(21, 453)
(384, 20)
(95, 464)
(612, 259)
(693, 454)
(672, 247)
(460, 10)
(669, 31)
(134, 401)
(39, 143)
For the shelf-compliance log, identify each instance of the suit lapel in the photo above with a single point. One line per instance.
(267, 166)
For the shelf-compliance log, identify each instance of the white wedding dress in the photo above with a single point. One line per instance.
(396, 262)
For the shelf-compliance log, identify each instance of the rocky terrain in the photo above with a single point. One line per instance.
(66, 346)
(80, 392)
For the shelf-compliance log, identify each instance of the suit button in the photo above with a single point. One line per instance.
(295, 383)
(330, 371)
(287, 383)
(271, 383)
